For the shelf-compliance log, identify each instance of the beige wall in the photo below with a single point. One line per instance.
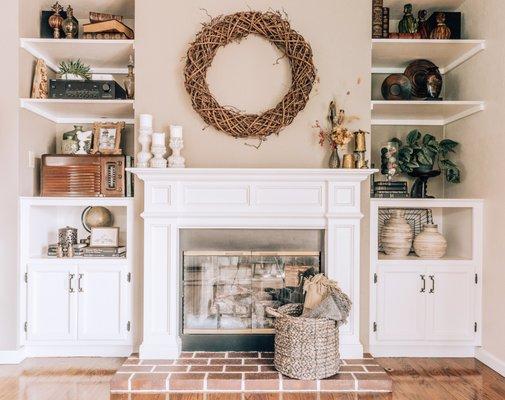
(482, 142)
(10, 186)
(244, 75)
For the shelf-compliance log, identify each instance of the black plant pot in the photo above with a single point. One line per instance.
(420, 187)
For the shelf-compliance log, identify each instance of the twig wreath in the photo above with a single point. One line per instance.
(223, 30)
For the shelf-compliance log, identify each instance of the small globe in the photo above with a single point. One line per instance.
(97, 217)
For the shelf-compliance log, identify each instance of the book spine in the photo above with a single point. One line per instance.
(390, 184)
(385, 22)
(391, 195)
(122, 255)
(377, 18)
(105, 36)
(129, 177)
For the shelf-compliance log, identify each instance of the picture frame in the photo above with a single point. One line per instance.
(104, 237)
(107, 138)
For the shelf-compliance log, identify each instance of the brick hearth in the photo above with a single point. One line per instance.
(240, 372)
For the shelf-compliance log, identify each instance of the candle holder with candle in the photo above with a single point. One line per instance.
(176, 144)
(145, 132)
(159, 149)
(360, 149)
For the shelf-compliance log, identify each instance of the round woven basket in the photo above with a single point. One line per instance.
(305, 348)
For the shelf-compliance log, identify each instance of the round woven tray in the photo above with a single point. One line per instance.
(305, 348)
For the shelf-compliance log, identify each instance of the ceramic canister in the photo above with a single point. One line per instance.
(67, 236)
(397, 235)
(430, 243)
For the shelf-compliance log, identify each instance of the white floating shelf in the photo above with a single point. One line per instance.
(81, 111)
(396, 6)
(393, 55)
(78, 201)
(82, 8)
(432, 113)
(427, 203)
(46, 260)
(104, 56)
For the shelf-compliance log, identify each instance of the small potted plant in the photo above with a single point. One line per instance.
(424, 157)
(74, 70)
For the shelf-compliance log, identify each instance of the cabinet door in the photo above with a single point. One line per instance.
(401, 304)
(451, 308)
(51, 303)
(103, 303)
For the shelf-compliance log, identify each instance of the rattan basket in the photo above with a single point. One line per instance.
(305, 348)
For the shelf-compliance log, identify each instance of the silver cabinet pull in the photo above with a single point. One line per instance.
(70, 288)
(432, 277)
(423, 278)
(79, 283)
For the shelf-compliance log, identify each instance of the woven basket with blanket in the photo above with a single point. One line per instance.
(306, 336)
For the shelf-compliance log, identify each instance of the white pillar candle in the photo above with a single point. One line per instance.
(158, 139)
(146, 120)
(175, 131)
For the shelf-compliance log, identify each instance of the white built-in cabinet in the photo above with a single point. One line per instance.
(77, 303)
(422, 307)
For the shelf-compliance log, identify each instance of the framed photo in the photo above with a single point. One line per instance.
(104, 237)
(107, 138)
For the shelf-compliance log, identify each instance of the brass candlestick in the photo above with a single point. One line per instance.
(360, 149)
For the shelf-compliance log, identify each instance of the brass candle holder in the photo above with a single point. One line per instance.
(360, 149)
(348, 161)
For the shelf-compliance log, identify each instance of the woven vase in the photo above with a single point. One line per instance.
(397, 235)
(430, 244)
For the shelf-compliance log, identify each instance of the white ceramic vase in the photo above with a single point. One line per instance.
(397, 235)
(430, 244)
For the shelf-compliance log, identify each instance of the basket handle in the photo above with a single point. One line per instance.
(272, 312)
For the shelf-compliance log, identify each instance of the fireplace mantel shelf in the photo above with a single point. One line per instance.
(262, 173)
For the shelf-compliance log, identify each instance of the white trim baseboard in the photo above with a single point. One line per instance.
(490, 360)
(78, 351)
(12, 356)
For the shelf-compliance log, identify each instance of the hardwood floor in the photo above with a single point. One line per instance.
(88, 379)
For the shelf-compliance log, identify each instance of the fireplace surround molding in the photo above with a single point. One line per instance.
(195, 198)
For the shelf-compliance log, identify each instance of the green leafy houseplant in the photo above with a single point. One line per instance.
(77, 68)
(421, 154)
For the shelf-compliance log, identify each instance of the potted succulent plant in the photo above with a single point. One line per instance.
(74, 70)
(424, 157)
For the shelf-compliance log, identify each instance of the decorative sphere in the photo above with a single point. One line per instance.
(97, 217)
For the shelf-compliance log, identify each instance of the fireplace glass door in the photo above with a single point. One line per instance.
(227, 292)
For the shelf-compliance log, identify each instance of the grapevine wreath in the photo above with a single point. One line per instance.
(223, 30)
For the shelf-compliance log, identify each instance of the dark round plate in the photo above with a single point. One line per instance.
(396, 87)
(417, 72)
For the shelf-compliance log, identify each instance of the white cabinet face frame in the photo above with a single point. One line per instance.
(52, 303)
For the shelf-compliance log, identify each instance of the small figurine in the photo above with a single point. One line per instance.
(441, 31)
(56, 20)
(423, 28)
(434, 84)
(408, 23)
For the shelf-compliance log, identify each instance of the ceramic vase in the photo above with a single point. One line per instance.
(334, 159)
(430, 244)
(397, 235)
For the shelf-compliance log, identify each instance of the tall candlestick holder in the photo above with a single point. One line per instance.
(176, 144)
(145, 134)
(360, 149)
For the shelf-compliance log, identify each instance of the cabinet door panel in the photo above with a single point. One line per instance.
(451, 304)
(401, 306)
(51, 305)
(102, 303)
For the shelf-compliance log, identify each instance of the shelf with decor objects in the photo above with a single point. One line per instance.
(440, 313)
(396, 6)
(103, 56)
(393, 55)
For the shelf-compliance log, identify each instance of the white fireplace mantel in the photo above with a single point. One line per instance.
(177, 199)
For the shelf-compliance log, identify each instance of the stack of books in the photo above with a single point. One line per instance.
(78, 249)
(104, 251)
(390, 190)
(106, 26)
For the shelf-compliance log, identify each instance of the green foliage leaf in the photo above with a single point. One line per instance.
(413, 137)
(427, 139)
(448, 146)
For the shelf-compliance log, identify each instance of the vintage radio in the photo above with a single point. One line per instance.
(94, 90)
(86, 176)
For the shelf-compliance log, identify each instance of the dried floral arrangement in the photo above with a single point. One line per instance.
(221, 31)
(338, 135)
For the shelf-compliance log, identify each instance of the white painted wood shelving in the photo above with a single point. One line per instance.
(429, 308)
(69, 111)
